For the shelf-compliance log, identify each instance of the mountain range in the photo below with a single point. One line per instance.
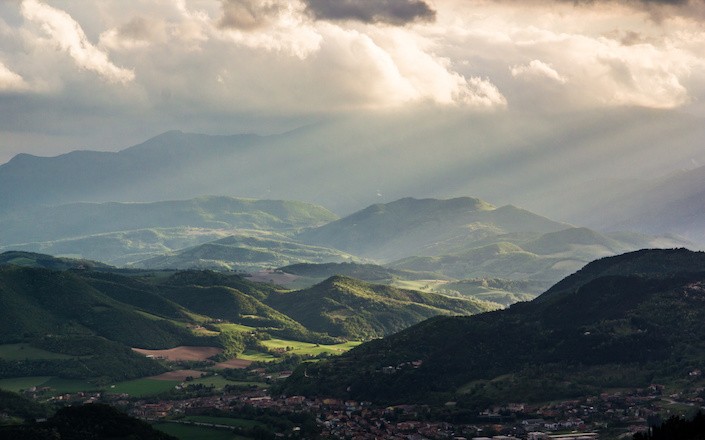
(598, 194)
(415, 239)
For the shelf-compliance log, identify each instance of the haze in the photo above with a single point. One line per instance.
(515, 102)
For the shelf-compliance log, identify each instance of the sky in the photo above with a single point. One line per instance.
(107, 75)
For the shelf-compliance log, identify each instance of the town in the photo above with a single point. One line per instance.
(607, 415)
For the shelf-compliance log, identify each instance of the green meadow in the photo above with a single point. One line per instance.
(142, 387)
(219, 382)
(17, 384)
(307, 348)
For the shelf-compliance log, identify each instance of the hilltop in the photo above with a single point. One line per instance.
(624, 321)
(342, 306)
(423, 227)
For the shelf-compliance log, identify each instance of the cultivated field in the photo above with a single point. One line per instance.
(233, 363)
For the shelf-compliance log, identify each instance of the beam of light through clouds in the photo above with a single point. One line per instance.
(84, 71)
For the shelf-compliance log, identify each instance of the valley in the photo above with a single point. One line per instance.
(219, 316)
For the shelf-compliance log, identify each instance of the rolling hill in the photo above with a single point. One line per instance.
(84, 317)
(531, 256)
(624, 321)
(350, 308)
(121, 233)
(81, 219)
(247, 251)
(423, 227)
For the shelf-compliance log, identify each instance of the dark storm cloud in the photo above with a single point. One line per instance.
(397, 12)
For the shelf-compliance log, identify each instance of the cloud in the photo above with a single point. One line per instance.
(273, 25)
(10, 81)
(396, 12)
(65, 32)
(250, 14)
(139, 32)
(537, 68)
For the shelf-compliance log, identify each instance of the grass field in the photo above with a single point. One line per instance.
(190, 432)
(257, 356)
(307, 348)
(298, 347)
(237, 327)
(69, 385)
(57, 385)
(142, 387)
(421, 285)
(219, 382)
(18, 352)
(22, 383)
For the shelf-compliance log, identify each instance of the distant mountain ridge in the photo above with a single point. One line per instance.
(212, 212)
(354, 162)
(122, 233)
(673, 204)
(423, 227)
(160, 168)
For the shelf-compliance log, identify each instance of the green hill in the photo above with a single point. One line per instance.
(81, 323)
(36, 302)
(624, 321)
(313, 273)
(124, 247)
(246, 251)
(423, 227)
(31, 259)
(346, 307)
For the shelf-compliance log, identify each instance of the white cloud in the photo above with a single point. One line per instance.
(278, 26)
(537, 68)
(11, 81)
(139, 32)
(68, 35)
(205, 60)
(610, 54)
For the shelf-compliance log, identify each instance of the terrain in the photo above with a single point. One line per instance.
(624, 321)
(177, 165)
(122, 233)
(80, 320)
(420, 244)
